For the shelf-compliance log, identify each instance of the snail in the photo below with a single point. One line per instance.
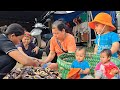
(7, 76)
(18, 69)
(52, 77)
(14, 75)
(26, 77)
(37, 77)
(30, 72)
(43, 73)
(37, 73)
(37, 70)
(47, 69)
(58, 78)
(18, 77)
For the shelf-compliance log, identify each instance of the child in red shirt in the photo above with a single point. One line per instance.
(106, 69)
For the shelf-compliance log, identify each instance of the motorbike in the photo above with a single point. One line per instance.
(39, 38)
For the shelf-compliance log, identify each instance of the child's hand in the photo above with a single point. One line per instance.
(81, 71)
(114, 71)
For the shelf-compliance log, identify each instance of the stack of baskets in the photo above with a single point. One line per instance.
(65, 60)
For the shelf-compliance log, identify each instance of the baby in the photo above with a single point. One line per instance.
(80, 63)
(106, 69)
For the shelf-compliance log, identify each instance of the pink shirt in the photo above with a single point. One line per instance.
(101, 66)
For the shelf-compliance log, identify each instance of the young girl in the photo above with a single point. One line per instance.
(27, 48)
(106, 69)
(80, 62)
(106, 39)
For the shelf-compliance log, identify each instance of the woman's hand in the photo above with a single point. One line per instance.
(36, 49)
(38, 61)
(42, 63)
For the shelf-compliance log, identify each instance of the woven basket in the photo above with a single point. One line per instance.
(65, 60)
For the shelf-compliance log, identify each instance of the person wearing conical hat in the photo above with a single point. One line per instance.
(106, 38)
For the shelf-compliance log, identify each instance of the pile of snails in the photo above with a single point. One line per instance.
(29, 72)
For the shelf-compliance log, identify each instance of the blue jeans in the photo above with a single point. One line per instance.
(6, 65)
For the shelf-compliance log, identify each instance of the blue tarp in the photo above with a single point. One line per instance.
(70, 16)
(67, 17)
